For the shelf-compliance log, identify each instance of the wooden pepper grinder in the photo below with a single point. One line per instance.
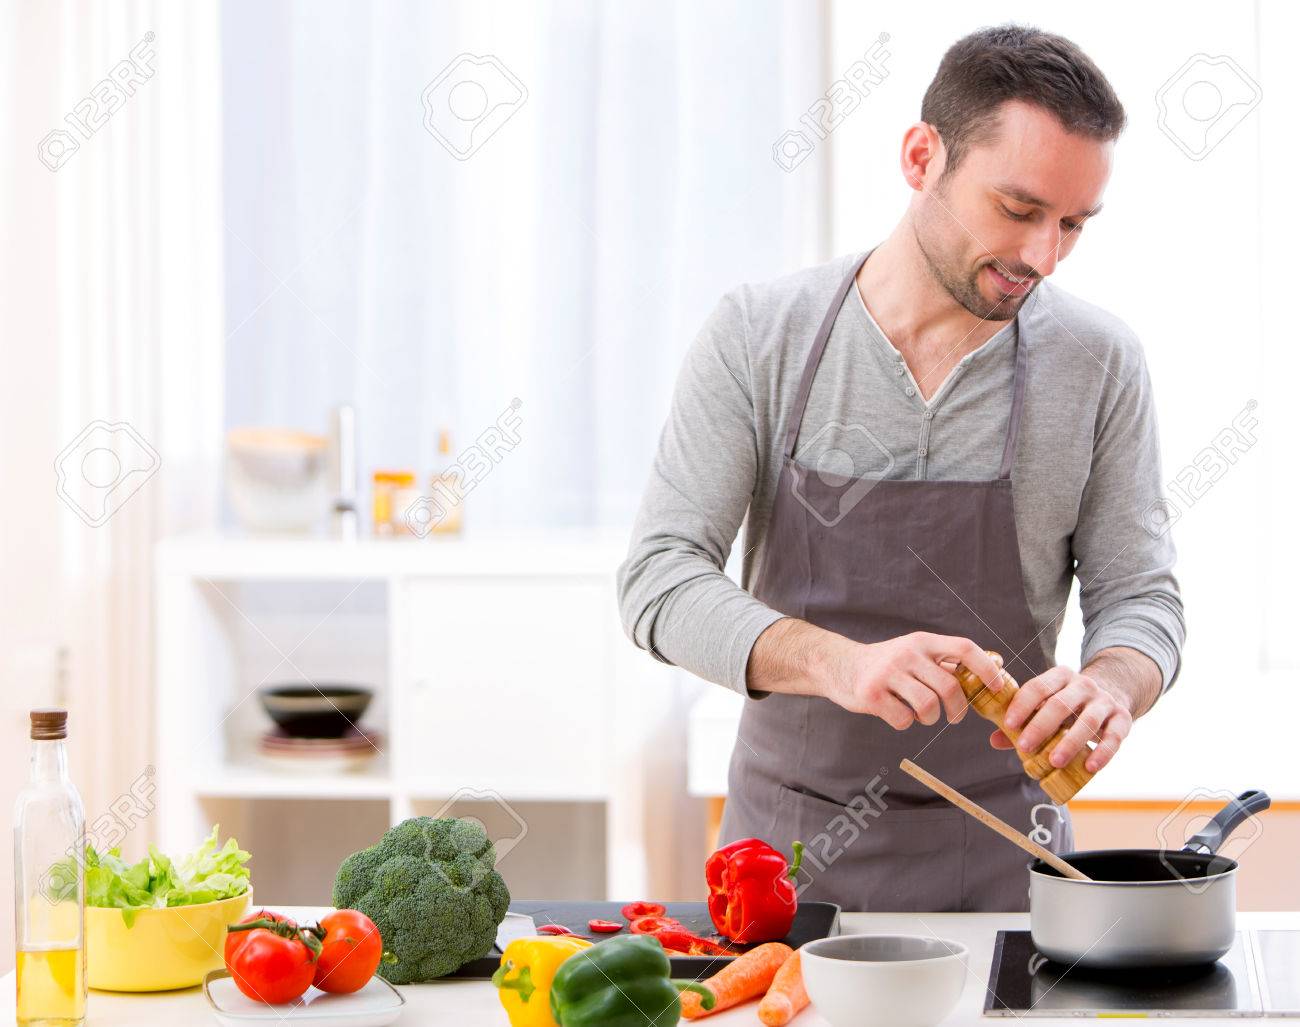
(1060, 783)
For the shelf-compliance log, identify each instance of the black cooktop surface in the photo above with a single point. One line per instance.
(1257, 976)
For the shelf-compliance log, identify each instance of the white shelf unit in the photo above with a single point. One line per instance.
(503, 682)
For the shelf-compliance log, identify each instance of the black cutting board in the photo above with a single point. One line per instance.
(812, 920)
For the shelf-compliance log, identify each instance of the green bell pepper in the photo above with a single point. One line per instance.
(623, 982)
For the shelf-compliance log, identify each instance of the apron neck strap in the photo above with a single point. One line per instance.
(815, 356)
(1017, 399)
(819, 347)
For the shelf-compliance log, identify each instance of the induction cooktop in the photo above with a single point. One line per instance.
(1259, 976)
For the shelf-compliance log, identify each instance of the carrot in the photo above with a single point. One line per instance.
(745, 977)
(787, 997)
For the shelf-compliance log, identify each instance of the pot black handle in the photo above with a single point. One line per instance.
(1233, 815)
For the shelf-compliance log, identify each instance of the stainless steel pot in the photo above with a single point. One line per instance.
(1143, 907)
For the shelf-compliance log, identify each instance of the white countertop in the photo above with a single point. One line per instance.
(474, 1003)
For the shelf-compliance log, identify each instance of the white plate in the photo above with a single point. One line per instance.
(376, 1004)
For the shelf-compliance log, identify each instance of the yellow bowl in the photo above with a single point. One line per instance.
(162, 949)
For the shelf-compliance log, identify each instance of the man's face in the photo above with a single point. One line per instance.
(995, 227)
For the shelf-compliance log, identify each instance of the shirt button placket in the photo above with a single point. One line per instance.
(923, 450)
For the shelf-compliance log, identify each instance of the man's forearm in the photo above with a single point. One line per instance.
(1129, 675)
(790, 657)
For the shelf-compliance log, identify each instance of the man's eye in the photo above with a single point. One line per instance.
(1075, 228)
(1014, 216)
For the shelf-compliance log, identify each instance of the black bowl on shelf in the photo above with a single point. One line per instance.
(315, 711)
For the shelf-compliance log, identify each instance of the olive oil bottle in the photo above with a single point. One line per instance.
(49, 883)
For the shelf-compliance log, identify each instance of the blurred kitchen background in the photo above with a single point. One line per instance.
(279, 278)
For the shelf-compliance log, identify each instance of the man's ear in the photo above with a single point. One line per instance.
(922, 155)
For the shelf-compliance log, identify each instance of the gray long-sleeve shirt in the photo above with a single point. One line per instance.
(1086, 476)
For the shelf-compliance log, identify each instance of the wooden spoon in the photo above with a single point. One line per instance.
(989, 820)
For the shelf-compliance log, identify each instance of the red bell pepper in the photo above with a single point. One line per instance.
(751, 890)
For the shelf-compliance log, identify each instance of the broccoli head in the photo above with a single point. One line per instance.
(431, 887)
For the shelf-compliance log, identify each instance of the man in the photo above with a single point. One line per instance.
(929, 442)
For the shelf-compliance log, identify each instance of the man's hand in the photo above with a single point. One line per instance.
(1098, 705)
(900, 681)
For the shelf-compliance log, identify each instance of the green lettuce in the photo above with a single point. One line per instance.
(207, 874)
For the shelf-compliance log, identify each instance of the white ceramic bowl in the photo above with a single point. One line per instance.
(276, 479)
(884, 980)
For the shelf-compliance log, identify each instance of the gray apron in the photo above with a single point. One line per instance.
(805, 768)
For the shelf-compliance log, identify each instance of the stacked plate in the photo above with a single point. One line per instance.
(353, 750)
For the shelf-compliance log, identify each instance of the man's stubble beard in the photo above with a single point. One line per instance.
(954, 279)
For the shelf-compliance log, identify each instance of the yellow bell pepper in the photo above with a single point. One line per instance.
(524, 977)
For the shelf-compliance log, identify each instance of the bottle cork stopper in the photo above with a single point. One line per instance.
(49, 723)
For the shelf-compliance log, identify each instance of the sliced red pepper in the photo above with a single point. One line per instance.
(690, 944)
(604, 926)
(654, 924)
(636, 910)
(553, 929)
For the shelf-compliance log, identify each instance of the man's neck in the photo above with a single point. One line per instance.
(930, 329)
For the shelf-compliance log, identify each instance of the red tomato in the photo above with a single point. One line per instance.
(652, 924)
(350, 952)
(636, 910)
(269, 964)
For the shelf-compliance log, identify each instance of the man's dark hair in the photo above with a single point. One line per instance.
(985, 69)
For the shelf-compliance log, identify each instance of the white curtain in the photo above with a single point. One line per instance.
(567, 262)
(111, 407)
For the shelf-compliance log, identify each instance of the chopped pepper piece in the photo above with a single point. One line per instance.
(654, 924)
(689, 944)
(623, 982)
(604, 926)
(525, 976)
(751, 890)
(636, 910)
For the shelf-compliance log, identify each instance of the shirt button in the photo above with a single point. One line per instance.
(924, 451)
(929, 415)
(911, 391)
(900, 370)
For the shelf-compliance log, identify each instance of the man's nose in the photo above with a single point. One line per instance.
(1043, 251)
